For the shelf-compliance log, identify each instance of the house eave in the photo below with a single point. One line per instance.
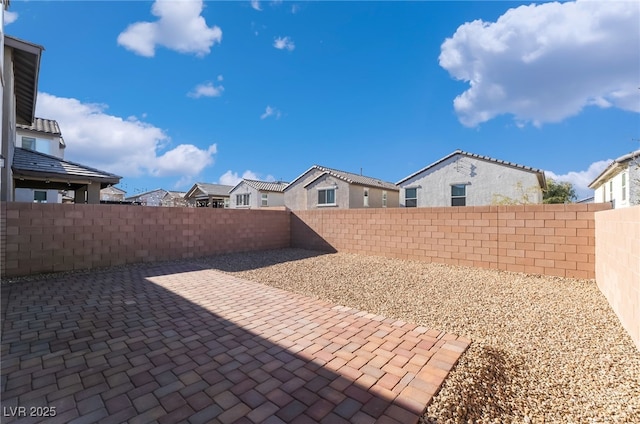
(26, 62)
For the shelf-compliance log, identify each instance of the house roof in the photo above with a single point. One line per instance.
(273, 186)
(48, 126)
(114, 189)
(613, 168)
(209, 190)
(175, 194)
(26, 63)
(137, 196)
(540, 174)
(27, 163)
(45, 126)
(348, 177)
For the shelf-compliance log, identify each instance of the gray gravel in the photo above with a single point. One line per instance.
(544, 349)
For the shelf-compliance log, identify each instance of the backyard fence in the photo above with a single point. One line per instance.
(618, 264)
(538, 239)
(38, 238)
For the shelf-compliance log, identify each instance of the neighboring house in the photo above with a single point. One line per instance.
(112, 194)
(174, 199)
(468, 179)
(148, 198)
(619, 183)
(42, 136)
(207, 195)
(43, 173)
(257, 194)
(320, 187)
(27, 168)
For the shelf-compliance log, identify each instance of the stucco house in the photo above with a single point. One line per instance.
(619, 183)
(174, 199)
(43, 136)
(208, 195)
(467, 179)
(112, 194)
(253, 194)
(149, 198)
(30, 169)
(322, 187)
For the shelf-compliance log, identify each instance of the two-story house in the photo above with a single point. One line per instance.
(619, 183)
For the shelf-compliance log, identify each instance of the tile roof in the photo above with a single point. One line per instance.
(541, 177)
(42, 125)
(29, 163)
(276, 186)
(351, 178)
(612, 167)
(210, 189)
(158, 191)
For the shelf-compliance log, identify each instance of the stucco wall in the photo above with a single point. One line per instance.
(486, 183)
(328, 181)
(539, 239)
(41, 238)
(295, 195)
(604, 192)
(618, 264)
(244, 188)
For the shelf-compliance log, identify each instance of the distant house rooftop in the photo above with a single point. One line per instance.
(273, 186)
(349, 177)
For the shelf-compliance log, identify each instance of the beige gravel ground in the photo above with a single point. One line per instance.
(544, 349)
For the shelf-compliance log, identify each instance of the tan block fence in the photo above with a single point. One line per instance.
(574, 240)
(40, 238)
(538, 239)
(618, 264)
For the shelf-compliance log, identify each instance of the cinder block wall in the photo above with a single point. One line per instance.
(618, 264)
(540, 239)
(39, 238)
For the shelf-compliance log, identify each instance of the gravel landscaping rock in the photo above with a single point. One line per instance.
(545, 349)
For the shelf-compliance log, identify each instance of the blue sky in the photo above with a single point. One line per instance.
(169, 93)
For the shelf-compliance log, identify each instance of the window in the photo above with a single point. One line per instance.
(384, 199)
(29, 143)
(611, 190)
(327, 196)
(624, 186)
(458, 195)
(410, 197)
(36, 145)
(366, 197)
(242, 199)
(40, 197)
(265, 199)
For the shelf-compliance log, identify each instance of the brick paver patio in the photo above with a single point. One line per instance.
(174, 342)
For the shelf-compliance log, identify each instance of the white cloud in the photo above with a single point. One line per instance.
(295, 8)
(220, 78)
(10, 17)
(544, 63)
(127, 147)
(179, 27)
(256, 4)
(271, 111)
(206, 90)
(581, 179)
(284, 43)
(232, 178)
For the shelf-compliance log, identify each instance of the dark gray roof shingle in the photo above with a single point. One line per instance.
(29, 163)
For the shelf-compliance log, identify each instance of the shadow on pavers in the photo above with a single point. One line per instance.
(115, 347)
